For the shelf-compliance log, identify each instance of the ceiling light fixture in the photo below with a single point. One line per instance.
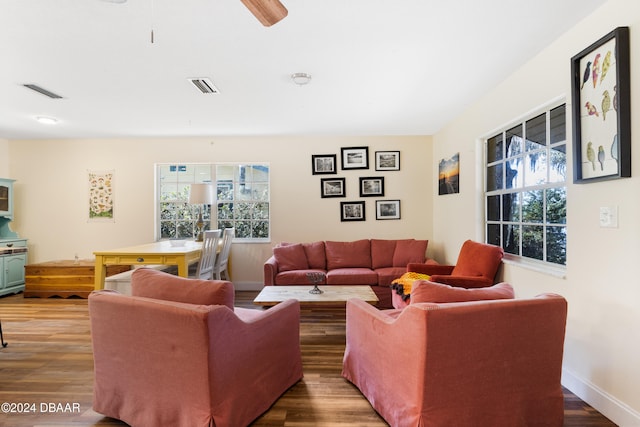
(47, 120)
(301, 79)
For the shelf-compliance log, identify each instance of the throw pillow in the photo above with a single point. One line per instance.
(425, 291)
(291, 257)
(404, 283)
(151, 283)
(348, 254)
(315, 255)
(382, 253)
(409, 251)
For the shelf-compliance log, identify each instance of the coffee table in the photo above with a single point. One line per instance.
(332, 295)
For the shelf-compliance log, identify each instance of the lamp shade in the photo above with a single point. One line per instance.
(201, 194)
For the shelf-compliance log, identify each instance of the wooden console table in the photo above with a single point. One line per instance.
(162, 253)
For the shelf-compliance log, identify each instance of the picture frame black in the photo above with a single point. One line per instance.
(332, 187)
(323, 164)
(387, 160)
(352, 211)
(601, 111)
(354, 158)
(372, 186)
(387, 209)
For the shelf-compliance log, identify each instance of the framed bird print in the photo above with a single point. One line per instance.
(601, 109)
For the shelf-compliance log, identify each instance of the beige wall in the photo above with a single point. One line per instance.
(4, 157)
(51, 192)
(602, 348)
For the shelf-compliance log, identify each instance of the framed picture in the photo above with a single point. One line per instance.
(387, 209)
(352, 211)
(601, 109)
(332, 187)
(387, 160)
(449, 175)
(355, 158)
(323, 164)
(372, 186)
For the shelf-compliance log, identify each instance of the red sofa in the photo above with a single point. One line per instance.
(374, 262)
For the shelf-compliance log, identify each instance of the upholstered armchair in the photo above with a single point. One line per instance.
(482, 363)
(476, 266)
(177, 353)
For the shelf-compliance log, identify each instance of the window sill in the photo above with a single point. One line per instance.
(540, 267)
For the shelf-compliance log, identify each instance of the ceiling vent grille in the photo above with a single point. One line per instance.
(43, 91)
(204, 85)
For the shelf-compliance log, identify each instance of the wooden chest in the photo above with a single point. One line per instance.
(64, 278)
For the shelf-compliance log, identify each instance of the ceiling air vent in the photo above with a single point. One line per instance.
(42, 91)
(204, 85)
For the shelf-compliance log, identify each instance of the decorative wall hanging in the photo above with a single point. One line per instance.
(352, 211)
(332, 187)
(601, 109)
(387, 160)
(100, 196)
(448, 175)
(372, 186)
(387, 209)
(355, 158)
(323, 164)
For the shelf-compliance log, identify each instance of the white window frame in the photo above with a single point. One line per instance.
(519, 259)
(206, 173)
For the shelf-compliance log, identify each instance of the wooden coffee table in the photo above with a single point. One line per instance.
(332, 295)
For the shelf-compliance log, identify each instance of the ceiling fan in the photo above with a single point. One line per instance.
(268, 12)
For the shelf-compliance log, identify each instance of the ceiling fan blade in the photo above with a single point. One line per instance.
(268, 12)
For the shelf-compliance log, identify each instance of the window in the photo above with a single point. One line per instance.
(525, 190)
(242, 192)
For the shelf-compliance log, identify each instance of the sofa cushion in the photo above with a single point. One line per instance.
(152, 283)
(315, 255)
(388, 274)
(291, 257)
(426, 291)
(294, 277)
(348, 254)
(382, 253)
(478, 259)
(352, 276)
(410, 250)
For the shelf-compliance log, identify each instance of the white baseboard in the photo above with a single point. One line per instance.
(603, 402)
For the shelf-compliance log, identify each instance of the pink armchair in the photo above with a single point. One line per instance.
(178, 353)
(482, 363)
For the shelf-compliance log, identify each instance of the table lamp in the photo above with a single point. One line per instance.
(200, 194)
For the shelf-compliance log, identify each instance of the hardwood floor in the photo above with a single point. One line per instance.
(48, 364)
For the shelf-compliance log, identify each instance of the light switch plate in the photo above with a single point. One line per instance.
(609, 216)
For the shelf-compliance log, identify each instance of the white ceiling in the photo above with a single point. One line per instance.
(379, 67)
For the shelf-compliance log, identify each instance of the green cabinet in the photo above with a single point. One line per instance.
(13, 250)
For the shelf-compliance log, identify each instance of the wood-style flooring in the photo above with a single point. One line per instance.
(48, 364)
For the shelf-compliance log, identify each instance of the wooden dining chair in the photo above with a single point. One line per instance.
(208, 255)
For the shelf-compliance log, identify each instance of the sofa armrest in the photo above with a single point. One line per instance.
(270, 271)
(430, 269)
(462, 281)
